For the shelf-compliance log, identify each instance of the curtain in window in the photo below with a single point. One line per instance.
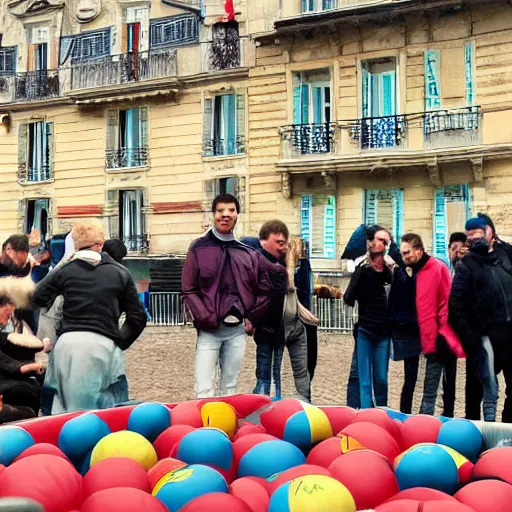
(132, 220)
(432, 80)
(469, 57)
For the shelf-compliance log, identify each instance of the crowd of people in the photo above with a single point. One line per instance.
(84, 311)
(409, 305)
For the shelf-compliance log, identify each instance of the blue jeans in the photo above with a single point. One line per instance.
(353, 382)
(224, 346)
(372, 365)
(269, 355)
(487, 375)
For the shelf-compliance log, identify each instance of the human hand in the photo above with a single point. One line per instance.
(249, 328)
(32, 368)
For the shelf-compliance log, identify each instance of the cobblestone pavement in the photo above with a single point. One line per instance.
(160, 367)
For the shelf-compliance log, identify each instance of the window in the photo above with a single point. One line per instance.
(131, 224)
(86, 46)
(469, 66)
(432, 80)
(379, 88)
(7, 61)
(312, 97)
(318, 225)
(174, 31)
(386, 208)
(35, 151)
(36, 216)
(38, 49)
(224, 125)
(127, 138)
(318, 5)
(451, 209)
(228, 185)
(224, 50)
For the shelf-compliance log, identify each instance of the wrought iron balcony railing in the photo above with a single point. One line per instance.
(466, 119)
(124, 68)
(36, 85)
(137, 243)
(379, 132)
(309, 139)
(127, 157)
(223, 54)
(43, 173)
(223, 147)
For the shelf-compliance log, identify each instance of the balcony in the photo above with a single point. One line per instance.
(308, 139)
(379, 132)
(30, 86)
(123, 69)
(29, 175)
(222, 54)
(126, 158)
(222, 147)
(137, 243)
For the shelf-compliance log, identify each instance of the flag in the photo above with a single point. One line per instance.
(230, 10)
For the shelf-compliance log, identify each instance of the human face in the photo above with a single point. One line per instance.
(457, 251)
(5, 313)
(225, 217)
(276, 244)
(410, 255)
(17, 258)
(380, 242)
(478, 234)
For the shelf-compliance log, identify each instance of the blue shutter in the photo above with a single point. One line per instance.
(328, 4)
(296, 105)
(330, 228)
(86, 46)
(469, 59)
(366, 91)
(301, 104)
(398, 213)
(174, 31)
(440, 225)
(229, 120)
(318, 104)
(387, 94)
(370, 207)
(305, 219)
(432, 80)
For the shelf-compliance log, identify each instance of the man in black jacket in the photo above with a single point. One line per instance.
(481, 311)
(86, 370)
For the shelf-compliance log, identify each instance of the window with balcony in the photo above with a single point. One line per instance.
(7, 61)
(385, 207)
(127, 138)
(35, 152)
(131, 220)
(224, 125)
(224, 50)
(451, 210)
(318, 5)
(174, 31)
(85, 47)
(318, 225)
(36, 216)
(312, 129)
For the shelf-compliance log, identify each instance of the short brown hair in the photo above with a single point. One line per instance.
(274, 227)
(414, 240)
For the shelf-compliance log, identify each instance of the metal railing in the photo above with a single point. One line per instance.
(166, 308)
(44, 173)
(124, 68)
(379, 132)
(126, 157)
(223, 54)
(224, 147)
(465, 119)
(36, 85)
(313, 138)
(137, 243)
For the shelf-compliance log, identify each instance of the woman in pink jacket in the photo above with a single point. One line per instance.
(439, 342)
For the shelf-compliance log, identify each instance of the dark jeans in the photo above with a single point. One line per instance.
(473, 391)
(312, 337)
(353, 398)
(503, 363)
(411, 366)
(439, 365)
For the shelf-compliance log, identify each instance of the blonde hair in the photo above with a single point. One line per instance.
(292, 258)
(88, 233)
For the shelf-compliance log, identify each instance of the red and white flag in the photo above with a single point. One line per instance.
(230, 10)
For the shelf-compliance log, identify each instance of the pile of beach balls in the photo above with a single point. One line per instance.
(201, 457)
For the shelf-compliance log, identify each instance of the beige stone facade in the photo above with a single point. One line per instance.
(138, 112)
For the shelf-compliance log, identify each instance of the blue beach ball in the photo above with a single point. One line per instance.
(463, 436)
(149, 420)
(13, 441)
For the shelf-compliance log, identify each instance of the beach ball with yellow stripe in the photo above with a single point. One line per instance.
(312, 493)
(297, 422)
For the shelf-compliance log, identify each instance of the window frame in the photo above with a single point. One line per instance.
(329, 247)
(4, 51)
(397, 206)
(161, 23)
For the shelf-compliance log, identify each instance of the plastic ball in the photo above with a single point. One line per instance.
(381, 418)
(312, 492)
(495, 463)
(81, 434)
(183, 485)
(297, 422)
(220, 415)
(339, 417)
(252, 493)
(41, 449)
(463, 436)
(208, 446)
(216, 502)
(20, 505)
(270, 457)
(168, 438)
(13, 442)
(188, 413)
(427, 466)
(162, 468)
(244, 444)
(248, 428)
(420, 429)
(122, 499)
(47, 479)
(422, 494)
(149, 420)
(424, 506)
(374, 438)
(2, 467)
(128, 445)
(326, 452)
(83, 465)
(367, 475)
(486, 496)
(275, 481)
(115, 472)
